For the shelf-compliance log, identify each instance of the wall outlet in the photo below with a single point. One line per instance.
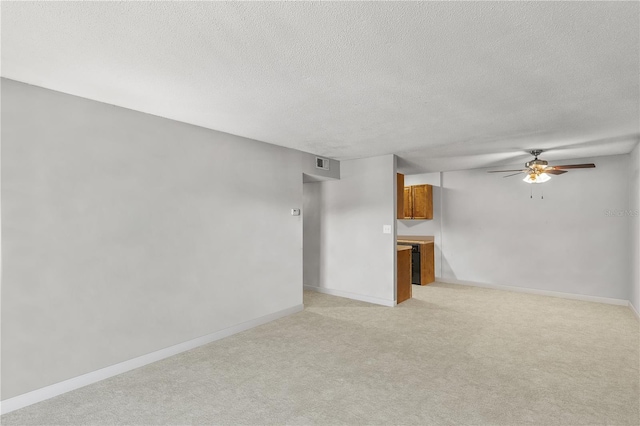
(386, 229)
(295, 212)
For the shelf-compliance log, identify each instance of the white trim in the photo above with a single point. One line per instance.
(561, 295)
(56, 389)
(633, 309)
(354, 296)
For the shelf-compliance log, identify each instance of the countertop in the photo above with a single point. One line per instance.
(415, 239)
(401, 248)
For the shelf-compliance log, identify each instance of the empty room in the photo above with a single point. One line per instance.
(271, 213)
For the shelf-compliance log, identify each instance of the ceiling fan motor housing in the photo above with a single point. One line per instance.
(537, 164)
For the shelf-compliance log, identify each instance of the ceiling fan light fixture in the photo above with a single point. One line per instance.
(537, 178)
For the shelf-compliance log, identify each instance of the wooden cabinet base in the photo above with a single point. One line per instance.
(403, 290)
(427, 267)
(427, 259)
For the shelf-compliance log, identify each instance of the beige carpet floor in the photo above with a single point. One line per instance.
(451, 355)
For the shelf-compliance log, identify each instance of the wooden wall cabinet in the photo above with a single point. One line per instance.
(418, 202)
(407, 204)
(399, 197)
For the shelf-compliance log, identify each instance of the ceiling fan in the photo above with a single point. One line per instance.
(538, 171)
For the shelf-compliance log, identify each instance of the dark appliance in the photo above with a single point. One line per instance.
(415, 262)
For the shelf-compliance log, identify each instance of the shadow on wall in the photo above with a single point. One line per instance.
(446, 272)
(411, 223)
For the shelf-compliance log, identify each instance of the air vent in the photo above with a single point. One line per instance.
(322, 163)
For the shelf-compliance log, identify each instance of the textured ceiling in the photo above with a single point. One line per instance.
(445, 85)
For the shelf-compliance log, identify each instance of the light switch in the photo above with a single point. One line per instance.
(295, 212)
(386, 229)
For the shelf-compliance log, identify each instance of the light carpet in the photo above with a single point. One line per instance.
(451, 355)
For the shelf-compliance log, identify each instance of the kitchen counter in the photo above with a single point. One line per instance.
(415, 239)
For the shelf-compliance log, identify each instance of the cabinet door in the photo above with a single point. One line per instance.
(403, 276)
(400, 196)
(408, 205)
(422, 201)
(427, 264)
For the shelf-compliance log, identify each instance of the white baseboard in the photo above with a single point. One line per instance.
(56, 389)
(633, 309)
(354, 296)
(573, 296)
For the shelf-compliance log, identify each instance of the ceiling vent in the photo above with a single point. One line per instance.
(322, 163)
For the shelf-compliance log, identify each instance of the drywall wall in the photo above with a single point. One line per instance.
(311, 233)
(356, 258)
(125, 233)
(572, 241)
(426, 227)
(634, 225)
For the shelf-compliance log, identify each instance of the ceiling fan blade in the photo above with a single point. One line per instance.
(554, 172)
(506, 171)
(575, 166)
(520, 172)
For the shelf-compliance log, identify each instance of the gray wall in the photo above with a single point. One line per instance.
(494, 233)
(125, 233)
(426, 227)
(355, 257)
(634, 208)
(312, 233)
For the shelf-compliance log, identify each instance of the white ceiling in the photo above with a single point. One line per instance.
(445, 85)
